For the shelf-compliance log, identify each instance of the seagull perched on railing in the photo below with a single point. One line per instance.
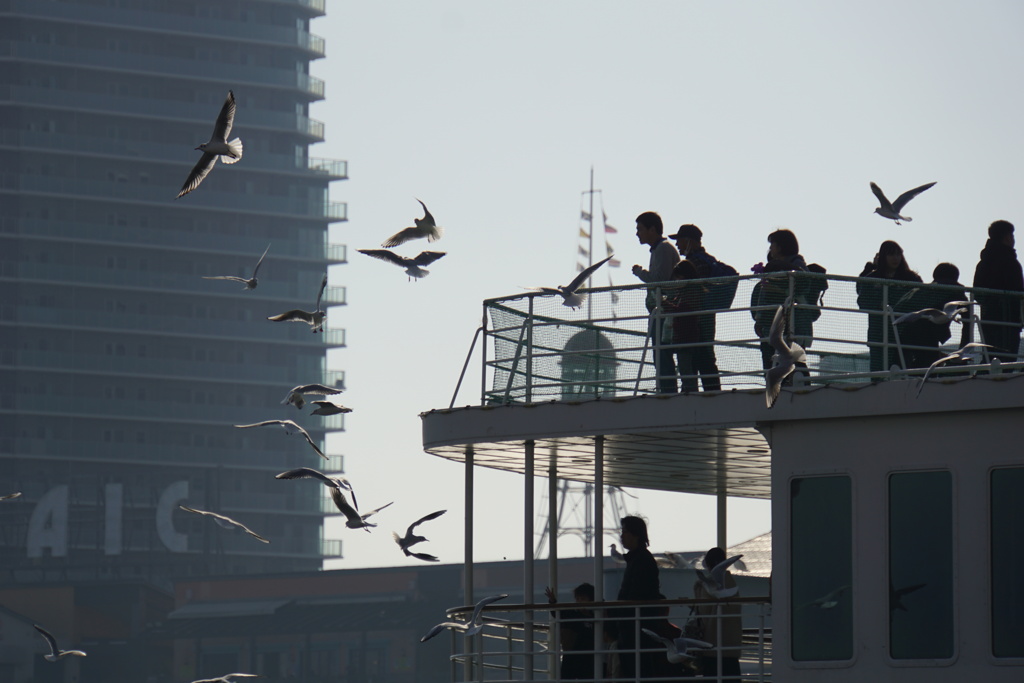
(410, 539)
(676, 649)
(425, 227)
(568, 293)
(55, 652)
(225, 522)
(413, 266)
(714, 581)
(314, 319)
(471, 626)
(289, 428)
(892, 210)
(296, 396)
(617, 554)
(949, 313)
(970, 352)
(327, 480)
(250, 283)
(787, 355)
(217, 148)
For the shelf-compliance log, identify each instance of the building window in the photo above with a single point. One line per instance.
(921, 565)
(821, 568)
(1007, 555)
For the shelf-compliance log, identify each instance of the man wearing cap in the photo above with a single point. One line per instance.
(651, 231)
(714, 296)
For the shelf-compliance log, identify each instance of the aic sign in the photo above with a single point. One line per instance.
(48, 526)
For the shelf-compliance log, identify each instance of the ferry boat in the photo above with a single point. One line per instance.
(897, 519)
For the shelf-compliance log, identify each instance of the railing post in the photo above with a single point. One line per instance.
(528, 558)
(529, 353)
(468, 556)
(885, 327)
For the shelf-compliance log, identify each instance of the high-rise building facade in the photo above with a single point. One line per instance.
(122, 370)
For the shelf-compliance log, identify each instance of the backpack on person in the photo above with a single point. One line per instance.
(722, 294)
(814, 290)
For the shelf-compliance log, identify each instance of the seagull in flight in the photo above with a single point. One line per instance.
(290, 428)
(11, 496)
(249, 283)
(568, 293)
(355, 520)
(55, 652)
(413, 266)
(425, 227)
(787, 355)
(226, 678)
(329, 408)
(314, 319)
(296, 396)
(970, 352)
(949, 313)
(471, 626)
(411, 539)
(225, 522)
(327, 480)
(829, 600)
(676, 649)
(217, 148)
(892, 211)
(896, 595)
(714, 581)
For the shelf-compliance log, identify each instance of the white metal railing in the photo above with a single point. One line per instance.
(536, 349)
(525, 642)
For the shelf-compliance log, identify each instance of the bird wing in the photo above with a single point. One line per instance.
(401, 237)
(427, 518)
(584, 274)
(261, 424)
(661, 639)
(198, 172)
(911, 317)
(373, 512)
(881, 197)
(260, 262)
(425, 258)
(312, 443)
(226, 118)
(340, 502)
(294, 315)
(483, 603)
(441, 627)
(50, 640)
(384, 255)
(902, 200)
(329, 408)
(320, 295)
(426, 557)
(427, 221)
(318, 389)
(775, 332)
(718, 571)
(225, 277)
(308, 473)
(11, 496)
(225, 518)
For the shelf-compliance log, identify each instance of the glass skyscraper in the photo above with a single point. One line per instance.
(122, 370)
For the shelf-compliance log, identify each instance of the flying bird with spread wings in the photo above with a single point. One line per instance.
(413, 266)
(217, 148)
(410, 539)
(289, 427)
(225, 522)
(568, 293)
(425, 227)
(55, 652)
(297, 395)
(787, 356)
(314, 319)
(892, 210)
(250, 283)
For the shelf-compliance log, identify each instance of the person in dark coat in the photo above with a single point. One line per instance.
(640, 581)
(1000, 313)
(773, 291)
(872, 297)
(577, 634)
(925, 333)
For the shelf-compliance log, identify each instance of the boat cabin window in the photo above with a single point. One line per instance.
(921, 565)
(1007, 524)
(821, 542)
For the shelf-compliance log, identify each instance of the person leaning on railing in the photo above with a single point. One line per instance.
(1000, 269)
(888, 264)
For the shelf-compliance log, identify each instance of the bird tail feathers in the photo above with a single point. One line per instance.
(236, 152)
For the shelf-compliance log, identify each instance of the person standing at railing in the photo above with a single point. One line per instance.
(719, 619)
(1000, 313)
(576, 631)
(716, 296)
(664, 257)
(925, 333)
(774, 290)
(888, 264)
(682, 328)
(640, 581)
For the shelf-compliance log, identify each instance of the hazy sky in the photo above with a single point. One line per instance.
(740, 117)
